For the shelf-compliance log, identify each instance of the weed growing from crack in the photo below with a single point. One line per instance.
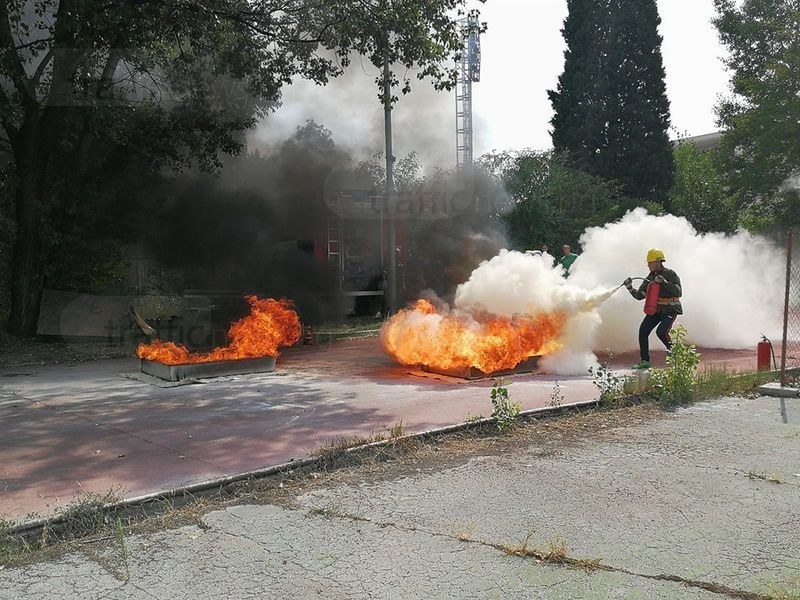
(504, 412)
(772, 477)
(119, 534)
(555, 553)
(464, 536)
(522, 549)
(782, 592)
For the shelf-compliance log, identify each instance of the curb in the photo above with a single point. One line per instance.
(775, 390)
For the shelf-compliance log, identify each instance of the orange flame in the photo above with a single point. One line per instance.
(271, 323)
(423, 335)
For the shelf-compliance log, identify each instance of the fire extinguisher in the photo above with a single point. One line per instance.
(764, 350)
(651, 298)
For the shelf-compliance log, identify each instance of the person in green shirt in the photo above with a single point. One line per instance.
(568, 258)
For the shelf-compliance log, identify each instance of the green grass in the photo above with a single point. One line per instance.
(84, 516)
(710, 382)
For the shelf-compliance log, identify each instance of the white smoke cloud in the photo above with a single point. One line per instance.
(728, 281)
(513, 283)
(728, 287)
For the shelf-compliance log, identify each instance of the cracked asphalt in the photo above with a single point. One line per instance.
(703, 502)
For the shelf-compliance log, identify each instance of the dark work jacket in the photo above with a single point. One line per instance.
(669, 294)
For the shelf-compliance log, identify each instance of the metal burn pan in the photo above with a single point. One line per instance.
(526, 366)
(203, 370)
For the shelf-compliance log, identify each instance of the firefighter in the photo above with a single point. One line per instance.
(669, 304)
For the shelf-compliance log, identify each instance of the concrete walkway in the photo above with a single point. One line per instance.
(89, 427)
(703, 503)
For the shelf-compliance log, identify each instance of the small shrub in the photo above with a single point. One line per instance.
(504, 412)
(677, 383)
(610, 384)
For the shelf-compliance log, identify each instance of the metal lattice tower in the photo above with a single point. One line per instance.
(469, 71)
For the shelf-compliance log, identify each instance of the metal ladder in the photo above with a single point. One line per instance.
(335, 250)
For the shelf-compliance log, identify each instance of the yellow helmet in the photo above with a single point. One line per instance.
(655, 254)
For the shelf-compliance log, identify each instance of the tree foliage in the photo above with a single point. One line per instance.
(761, 119)
(95, 96)
(577, 101)
(700, 193)
(553, 202)
(611, 110)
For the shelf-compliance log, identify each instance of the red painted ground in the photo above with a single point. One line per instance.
(85, 427)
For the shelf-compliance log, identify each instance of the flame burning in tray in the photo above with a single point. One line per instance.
(270, 324)
(445, 339)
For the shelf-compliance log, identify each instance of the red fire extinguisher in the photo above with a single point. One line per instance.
(651, 299)
(763, 353)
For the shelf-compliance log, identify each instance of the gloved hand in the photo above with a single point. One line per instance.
(660, 279)
(627, 283)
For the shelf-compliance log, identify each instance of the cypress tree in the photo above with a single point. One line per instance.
(611, 109)
(637, 152)
(577, 118)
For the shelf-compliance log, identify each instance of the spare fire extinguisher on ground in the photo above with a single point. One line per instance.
(763, 353)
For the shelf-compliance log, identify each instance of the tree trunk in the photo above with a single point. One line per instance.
(26, 264)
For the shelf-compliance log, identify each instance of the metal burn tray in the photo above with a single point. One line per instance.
(526, 366)
(202, 370)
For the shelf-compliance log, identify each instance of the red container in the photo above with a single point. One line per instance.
(651, 299)
(763, 355)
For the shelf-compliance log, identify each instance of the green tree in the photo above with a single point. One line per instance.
(611, 110)
(700, 193)
(95, 95)
(637, 151)
(554, 202)
(761, 120)
(578, 99)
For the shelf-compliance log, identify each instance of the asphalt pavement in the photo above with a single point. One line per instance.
(703, 502)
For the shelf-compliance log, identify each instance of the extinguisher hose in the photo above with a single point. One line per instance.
(772, 350)
(632, 279)
(635, 278)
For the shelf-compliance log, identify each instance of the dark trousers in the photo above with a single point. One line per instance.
(662, 323)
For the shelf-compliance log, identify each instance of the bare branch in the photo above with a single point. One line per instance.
(33, 43)
(160, 88)
(37, 75)
(9, 55)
